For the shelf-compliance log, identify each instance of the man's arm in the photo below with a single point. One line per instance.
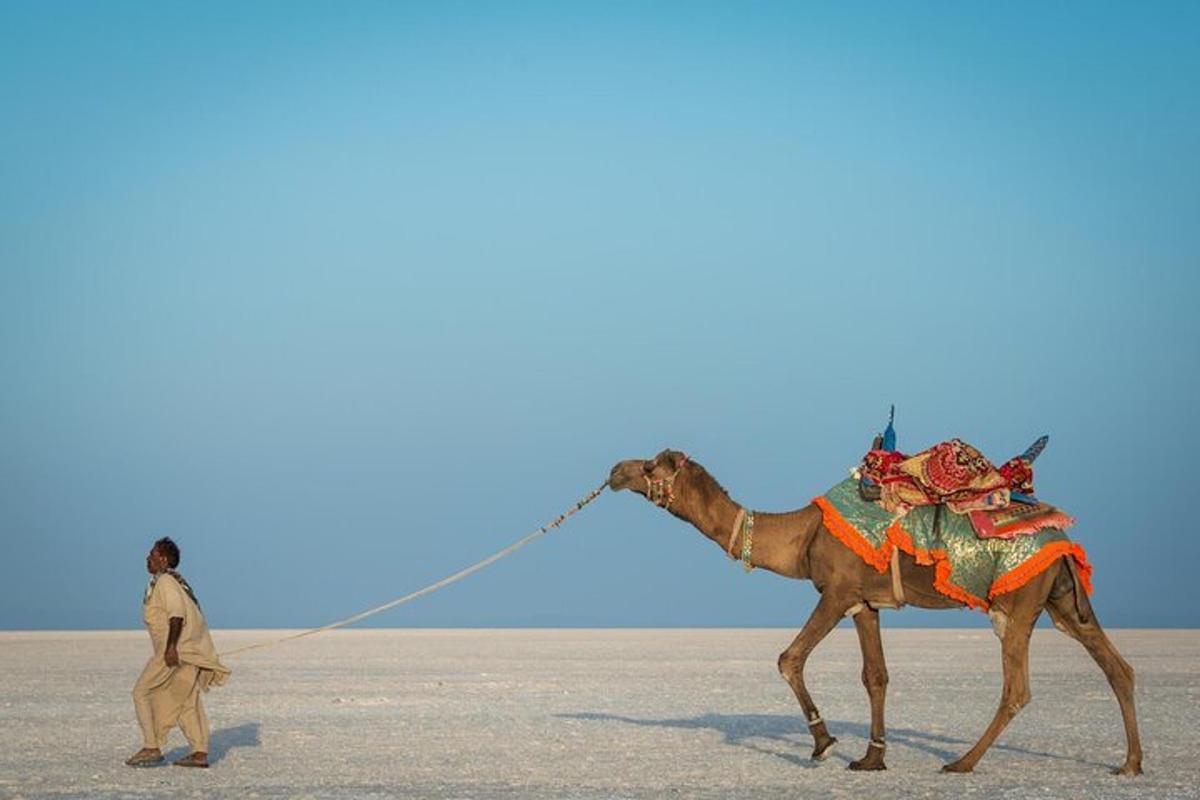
(171, 656)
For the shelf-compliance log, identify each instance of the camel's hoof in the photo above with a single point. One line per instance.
(866, 765)
(1130, 770)
(957, 766)
(822, 751)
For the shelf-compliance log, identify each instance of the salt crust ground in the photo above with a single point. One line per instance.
(594, 714)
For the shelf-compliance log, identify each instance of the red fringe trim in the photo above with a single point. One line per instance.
(1056, 520)
(896, 536)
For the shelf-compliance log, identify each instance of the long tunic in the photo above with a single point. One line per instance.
(195, 646)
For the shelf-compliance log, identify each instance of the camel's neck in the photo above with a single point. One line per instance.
(779, 542)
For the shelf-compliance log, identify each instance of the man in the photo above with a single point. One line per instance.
(183, 666)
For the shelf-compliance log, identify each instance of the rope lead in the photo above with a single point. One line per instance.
(433, 587)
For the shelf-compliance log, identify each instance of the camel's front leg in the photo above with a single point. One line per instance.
(875, 678)
(1014, 649)
(791, 665)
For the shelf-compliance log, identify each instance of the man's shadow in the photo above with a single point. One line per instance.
(790, 732)
(220, 742)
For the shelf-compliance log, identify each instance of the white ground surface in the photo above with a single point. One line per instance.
(595, 714)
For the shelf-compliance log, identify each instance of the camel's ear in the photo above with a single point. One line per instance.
(673, 459)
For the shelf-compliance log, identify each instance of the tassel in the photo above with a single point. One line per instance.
(1035, 449)
(889, 434)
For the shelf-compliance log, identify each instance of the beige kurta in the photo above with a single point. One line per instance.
(166, 696)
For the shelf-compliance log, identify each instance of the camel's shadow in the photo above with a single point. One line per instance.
(220, 742)
(747, 730)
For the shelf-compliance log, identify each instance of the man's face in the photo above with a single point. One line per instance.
(156, 562)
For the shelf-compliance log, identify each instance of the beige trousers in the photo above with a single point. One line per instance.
(164, 697)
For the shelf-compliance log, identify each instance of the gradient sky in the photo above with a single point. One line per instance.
(345, 297)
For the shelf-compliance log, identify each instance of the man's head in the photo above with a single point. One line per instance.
(163, 555)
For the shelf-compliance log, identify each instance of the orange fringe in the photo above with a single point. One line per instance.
(1084, 568)
(942, 583)
(903, 539)
(1036, 564)
(941, 575)
(880, 558)
(848, 535)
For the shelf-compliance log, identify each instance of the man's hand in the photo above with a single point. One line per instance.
(171, 656)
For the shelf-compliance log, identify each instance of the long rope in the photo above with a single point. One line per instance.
(433, 587)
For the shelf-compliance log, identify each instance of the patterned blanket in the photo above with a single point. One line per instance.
(969, 569)
(952, 473)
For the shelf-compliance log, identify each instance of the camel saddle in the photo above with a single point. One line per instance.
(955, 475)
(970, 568)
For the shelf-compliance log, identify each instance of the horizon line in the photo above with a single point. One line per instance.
(988, 627)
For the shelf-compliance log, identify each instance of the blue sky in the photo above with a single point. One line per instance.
(344, 298)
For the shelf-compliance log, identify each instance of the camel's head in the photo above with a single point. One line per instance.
(653, 479)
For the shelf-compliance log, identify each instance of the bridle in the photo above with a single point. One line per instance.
(661, 491)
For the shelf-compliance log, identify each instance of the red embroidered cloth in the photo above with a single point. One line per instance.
(953, 473)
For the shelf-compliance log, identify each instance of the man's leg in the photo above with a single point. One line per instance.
(193, 721)
(153, 737)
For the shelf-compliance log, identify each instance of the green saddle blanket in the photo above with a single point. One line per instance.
(969, 569)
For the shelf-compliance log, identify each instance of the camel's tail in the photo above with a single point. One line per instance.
(1069, 581)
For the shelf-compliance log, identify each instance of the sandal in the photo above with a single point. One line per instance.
(144, 759)
(194, 760)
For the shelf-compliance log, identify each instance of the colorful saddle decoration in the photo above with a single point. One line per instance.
(958, 476)
(968, 569)
(952, 473)
(998, 537)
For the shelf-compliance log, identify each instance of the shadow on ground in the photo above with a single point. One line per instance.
(789, 730)
(220, 742)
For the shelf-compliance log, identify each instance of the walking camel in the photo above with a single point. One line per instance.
(797, 544)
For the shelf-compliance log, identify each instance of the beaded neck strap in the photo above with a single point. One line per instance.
(743, 524)
(747, 541)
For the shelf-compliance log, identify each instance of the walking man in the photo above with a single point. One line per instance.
(183, 666)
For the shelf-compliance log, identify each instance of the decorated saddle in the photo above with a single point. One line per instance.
(969, 569)
(948, 506)
(952, 473)
(998, 500)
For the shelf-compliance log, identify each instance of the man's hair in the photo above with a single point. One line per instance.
(169, 549)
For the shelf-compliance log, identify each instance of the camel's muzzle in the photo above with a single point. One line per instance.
(624, 474)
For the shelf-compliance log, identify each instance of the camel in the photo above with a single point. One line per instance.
(796, 544)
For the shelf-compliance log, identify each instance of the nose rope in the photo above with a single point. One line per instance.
(433, 587)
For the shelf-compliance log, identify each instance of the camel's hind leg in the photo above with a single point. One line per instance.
(1014, 649)
(791, 665)
(1067, 617)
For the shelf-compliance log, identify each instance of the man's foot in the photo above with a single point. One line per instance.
(146, 757)
(197, 759)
